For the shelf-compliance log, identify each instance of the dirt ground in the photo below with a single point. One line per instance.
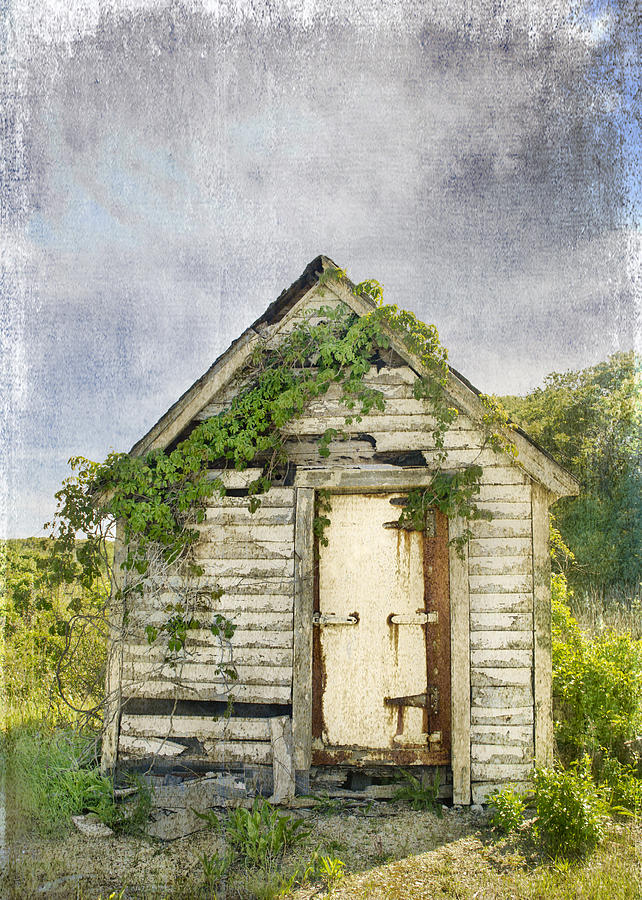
(389, 851)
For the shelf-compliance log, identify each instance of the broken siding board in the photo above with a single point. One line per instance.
(502, 715)
(495, 603)
(232, 478)
(199, 727)
(249, 752)
(384, 424)
(385, 477)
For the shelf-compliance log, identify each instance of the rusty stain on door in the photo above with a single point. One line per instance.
(381, 686)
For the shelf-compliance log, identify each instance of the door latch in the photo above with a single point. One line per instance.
(330, 619)
(429, 618)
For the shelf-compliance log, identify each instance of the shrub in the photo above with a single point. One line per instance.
(597, 687)
(570, 811)
(261, 834)
(624, 787)
(508, 808)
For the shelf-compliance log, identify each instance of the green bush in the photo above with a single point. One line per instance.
(508, 809)
(261, 834)
(570, 811)
(624, 787)
(597, 686)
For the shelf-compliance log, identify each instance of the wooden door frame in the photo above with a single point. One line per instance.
(371, 480)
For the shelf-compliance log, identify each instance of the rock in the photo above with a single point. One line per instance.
(91, 826)
(477, 809)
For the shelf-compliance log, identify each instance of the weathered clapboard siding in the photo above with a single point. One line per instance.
(250, 556)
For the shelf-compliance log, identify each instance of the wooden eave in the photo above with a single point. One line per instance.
(533, 459)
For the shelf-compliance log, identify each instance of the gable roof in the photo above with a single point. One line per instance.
(535, 461)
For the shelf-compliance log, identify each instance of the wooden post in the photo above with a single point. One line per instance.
(303, 610)
(460, 666)
(113, 676)
(543, 661)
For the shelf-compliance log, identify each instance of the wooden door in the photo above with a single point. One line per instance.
(381, 661)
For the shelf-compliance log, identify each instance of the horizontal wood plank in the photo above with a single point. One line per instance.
(502, 716)
(501, 622)
(499, 677)
(501, 640)
(498, 584)
(243, 693)
(500, 546)
(494, 603)
(500, 565)
(507, 735)
(501, 658)
(230, 728)
(502, 695)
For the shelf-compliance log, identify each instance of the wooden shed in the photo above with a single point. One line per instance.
(384, 648)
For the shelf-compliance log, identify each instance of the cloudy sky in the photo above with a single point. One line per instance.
(169, 167)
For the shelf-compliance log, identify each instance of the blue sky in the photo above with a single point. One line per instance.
(170, 168)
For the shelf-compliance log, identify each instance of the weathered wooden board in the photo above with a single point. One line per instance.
(193, 672)
(501, 676)
(136, 746)
(501, 771)
(506, 510)
(494, 603)
(250, 549)
(507, 735)
(277, 496)
(250, 752)
(264, 515)
(231, 478)
(459, 665)
(502, 546)
(482, 792)
(223, 728)
(303, 609)
(501, 528)
(502, 715)
(500, 565)
(505, 493)
(506, 640)
(272, 621)
(243, 568)
(501, 658)
(501, 622)
(502, 695)
(243, 693)
(498, 584)
(207, 655)
(244, 531)
(501, 754)
(542, 627)
(387, 424)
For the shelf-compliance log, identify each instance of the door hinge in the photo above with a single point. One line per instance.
(430, 618)
(330, 619)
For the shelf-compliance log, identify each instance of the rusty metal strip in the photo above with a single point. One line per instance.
(437, 600)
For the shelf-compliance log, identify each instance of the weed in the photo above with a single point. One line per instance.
(417, 793)
(508, 810)
(328, 806)
(622, 786)
(331, 870)
(261, 834)
(571, 812)
(215, 868)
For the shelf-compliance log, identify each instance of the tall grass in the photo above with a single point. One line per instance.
(52, 774)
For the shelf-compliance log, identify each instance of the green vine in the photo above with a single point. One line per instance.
(160, 497)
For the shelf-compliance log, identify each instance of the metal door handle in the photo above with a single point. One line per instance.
(419, 619)
(330, 619)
